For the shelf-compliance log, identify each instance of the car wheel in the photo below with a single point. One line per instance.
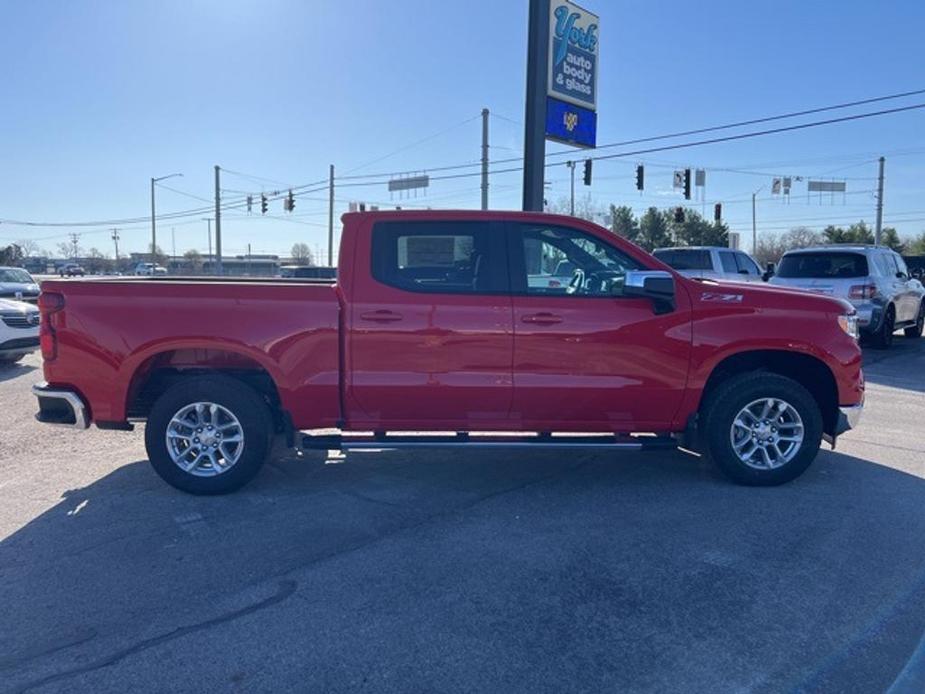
(209, 435)
(761, 429)
(917, 329)
(883, 338)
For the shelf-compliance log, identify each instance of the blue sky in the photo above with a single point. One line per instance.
(97, 97)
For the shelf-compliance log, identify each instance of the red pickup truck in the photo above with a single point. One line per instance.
(448, 329)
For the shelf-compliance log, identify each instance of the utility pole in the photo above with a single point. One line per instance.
(535, 106)
(484, 158)
(754, 226)
(75, 241)
(879, 204)
(209, 221)
(248, 259)
(571, 207)
(218, 221)
(115, 240)
(331, 217)
(173, 243)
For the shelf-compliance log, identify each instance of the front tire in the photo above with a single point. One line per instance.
(208, 435)
(761, 429)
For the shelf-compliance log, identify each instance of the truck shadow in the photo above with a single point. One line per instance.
(901, 366)
(10, 371)
(829, 568)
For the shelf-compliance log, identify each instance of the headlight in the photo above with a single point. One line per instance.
(849, 323)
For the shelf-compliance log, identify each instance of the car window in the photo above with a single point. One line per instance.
(685, 258)
(14, 274)
(747, 264)
(439, 257)
(883, 265)
(828, 265)
(900, 264)
(728, 262)
(596, 268)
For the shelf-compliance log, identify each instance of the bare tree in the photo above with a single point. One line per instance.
(30, 249)
(194, 258)
(69, 250)
(302, 254)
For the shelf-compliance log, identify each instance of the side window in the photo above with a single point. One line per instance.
(728, 261)
(885, 266)
(901, 264)
(747, 265)
(439, 257)
(565, 261)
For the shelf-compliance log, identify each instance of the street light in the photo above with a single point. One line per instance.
(754, 222)
(153, 227)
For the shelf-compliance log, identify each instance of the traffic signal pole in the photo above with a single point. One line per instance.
(484, 158)
(879, 228)
(535, 107)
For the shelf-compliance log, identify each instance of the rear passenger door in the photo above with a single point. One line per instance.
(429, 339)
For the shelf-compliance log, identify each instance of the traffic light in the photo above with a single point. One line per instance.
(263, 204)
(640, 177)
(718, 212)
(679, 215)
(687, 184)
(289, 202)
(250, 203)
(588, 163)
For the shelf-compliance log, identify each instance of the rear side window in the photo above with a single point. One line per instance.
(440, 257)
(728, 261)
(685, 259)
(901, 264)
(823, 265)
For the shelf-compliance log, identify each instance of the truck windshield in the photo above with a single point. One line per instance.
(685, 258)
(823, 265)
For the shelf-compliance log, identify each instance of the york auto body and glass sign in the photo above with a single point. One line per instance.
(571, 94)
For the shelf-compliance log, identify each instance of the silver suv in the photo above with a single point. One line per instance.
(711, 263)
(873, 278)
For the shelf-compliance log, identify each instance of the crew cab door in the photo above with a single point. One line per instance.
(587, 358)
(429, 327)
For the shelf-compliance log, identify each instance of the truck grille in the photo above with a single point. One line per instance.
(21, 320)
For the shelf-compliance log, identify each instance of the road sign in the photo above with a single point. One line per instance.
(573, 54)
(825, 186)
(679, 178)
(570, 124)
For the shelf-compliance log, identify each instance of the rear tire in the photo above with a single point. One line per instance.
(883, 338)
(737, 449)
(917, 329)
(230, 406)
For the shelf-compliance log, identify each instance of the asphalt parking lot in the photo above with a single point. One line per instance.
(474, 571)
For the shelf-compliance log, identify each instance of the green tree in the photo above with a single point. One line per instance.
(697, 231)
(889, 238)
(623, 223)
(654, 230)
(858, 232)
(916, 245)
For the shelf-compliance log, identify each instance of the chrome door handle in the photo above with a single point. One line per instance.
(381, 316)
(541, 318)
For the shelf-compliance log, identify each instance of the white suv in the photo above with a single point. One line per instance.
(19, 330)
(711, 263)
(874, 279)
(149, 270)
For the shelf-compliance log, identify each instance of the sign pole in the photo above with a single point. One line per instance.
(535, 107)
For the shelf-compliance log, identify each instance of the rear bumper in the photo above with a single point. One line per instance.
(60, 407)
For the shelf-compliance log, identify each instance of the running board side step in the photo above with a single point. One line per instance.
(465, 440)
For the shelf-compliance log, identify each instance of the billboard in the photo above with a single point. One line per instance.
(573, 54)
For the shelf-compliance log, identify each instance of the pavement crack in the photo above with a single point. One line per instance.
(284, 590)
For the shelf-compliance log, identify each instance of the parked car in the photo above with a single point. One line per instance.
(149, 270)
(19, 330)
(71, 270)
(873, 278)
(432, 326)
(16, 283)
(711, 262)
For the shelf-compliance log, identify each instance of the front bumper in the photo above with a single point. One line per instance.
(60, 407)
(848, 418)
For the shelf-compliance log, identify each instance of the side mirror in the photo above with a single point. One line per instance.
(769, 272)
(656, 285)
